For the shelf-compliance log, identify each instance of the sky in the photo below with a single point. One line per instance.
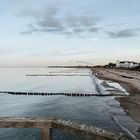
(68, 32)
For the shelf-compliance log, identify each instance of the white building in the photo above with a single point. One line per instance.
(126, 64)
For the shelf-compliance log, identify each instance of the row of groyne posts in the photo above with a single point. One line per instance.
(50, 94)
(46, 125)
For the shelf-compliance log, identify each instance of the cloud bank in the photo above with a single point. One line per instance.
(125, 33)
(59, 19)
(56, 20)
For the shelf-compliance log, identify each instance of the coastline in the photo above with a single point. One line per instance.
(130, 80)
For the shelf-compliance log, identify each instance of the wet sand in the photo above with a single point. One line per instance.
(130, 80)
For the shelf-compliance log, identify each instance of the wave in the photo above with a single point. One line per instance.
(125, 130)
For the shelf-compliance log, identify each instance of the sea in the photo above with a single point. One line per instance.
(96, 110)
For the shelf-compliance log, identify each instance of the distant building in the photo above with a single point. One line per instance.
(110, 65)
(126, 64)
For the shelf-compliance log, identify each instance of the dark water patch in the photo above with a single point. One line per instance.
(59, 135)
(19, 134)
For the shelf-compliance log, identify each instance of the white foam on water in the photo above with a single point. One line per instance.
(107, 87)
(117, 86)
(122, 120)
(125, 130)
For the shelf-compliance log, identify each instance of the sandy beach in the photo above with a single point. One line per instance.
(130, 80)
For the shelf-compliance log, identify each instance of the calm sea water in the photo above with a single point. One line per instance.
(96, 111)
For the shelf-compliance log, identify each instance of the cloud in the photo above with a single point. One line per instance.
(83, 62)
(57, 20)
(26, 32)
(125, 33)
(94, 29)
(32, 29)
(66, 53)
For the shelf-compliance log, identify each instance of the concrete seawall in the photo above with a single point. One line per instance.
(47, 125)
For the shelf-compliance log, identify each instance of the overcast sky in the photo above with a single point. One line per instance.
(60, 32)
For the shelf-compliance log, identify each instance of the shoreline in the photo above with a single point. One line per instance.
(130, 80)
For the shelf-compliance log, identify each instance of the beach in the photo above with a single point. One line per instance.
(130, 80)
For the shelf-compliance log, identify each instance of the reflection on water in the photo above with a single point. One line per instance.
(18, 81)
(95, 111)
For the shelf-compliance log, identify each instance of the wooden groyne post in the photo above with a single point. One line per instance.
(61, 93)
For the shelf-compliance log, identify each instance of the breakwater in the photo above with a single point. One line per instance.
(57, 74)
(61, 93)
